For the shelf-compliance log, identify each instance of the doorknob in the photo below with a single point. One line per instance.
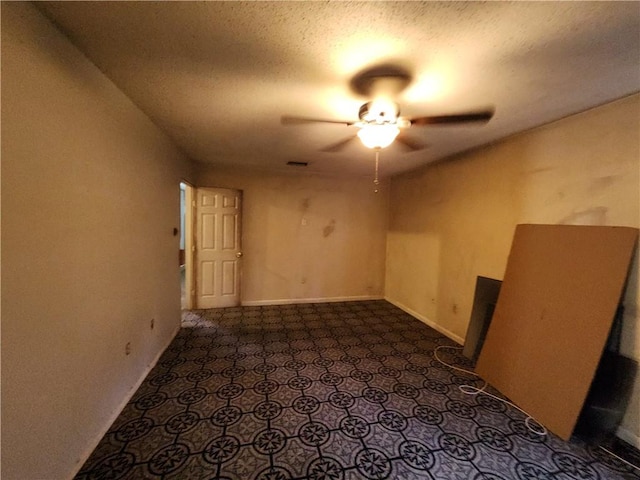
(239, 254)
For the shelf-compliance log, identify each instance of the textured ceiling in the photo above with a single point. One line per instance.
(217, 76)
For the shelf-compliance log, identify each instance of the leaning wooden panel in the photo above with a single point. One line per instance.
(558, 299)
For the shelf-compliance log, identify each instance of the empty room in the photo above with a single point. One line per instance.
(320, 240)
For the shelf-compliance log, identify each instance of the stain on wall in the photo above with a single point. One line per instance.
(602, 183)
(329, 229)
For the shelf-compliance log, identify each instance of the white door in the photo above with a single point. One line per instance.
(218, 252)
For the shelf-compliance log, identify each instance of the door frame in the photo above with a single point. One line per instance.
(189, 244)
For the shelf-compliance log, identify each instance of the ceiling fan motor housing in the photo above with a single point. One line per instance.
(379, 112)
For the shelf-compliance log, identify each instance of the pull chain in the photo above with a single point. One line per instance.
(376, 182)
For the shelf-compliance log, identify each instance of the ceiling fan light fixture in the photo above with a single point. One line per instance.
(378, 135)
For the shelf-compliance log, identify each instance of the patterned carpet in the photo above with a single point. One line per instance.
(338, 391)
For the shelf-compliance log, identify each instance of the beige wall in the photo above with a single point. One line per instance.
(338, 254)
(90, 198)
(453, 221)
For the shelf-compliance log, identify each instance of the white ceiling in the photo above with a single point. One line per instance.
(217, 76)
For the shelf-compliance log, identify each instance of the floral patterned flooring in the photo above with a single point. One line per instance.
(336, 391)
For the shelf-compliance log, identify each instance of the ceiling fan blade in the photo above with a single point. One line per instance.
(339, 146)
(466, 117)
(291, 120)
(410, 143)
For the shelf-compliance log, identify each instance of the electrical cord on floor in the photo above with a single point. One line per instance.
(471, 390)
(619, 458)
(531, 423)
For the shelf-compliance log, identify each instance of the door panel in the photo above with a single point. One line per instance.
(207, 279)
(218, 247)
(229, 278)
(229, 232)
(208, 231)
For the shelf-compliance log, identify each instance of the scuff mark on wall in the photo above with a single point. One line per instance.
(329, 229)
(539, 170)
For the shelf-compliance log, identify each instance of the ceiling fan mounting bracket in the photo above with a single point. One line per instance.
(386, 79)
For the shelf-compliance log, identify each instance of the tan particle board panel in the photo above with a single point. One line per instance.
(558, 299)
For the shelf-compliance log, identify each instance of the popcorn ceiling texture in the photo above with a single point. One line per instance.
(217, 76)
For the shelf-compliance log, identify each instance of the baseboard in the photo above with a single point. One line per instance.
(425, 320)
(94, 444)
(292, 301)
(629, 437)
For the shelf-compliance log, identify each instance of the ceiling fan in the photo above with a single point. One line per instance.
(380, 124)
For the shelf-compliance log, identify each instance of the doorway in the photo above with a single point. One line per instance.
(186, 246)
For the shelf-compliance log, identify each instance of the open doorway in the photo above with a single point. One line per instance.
(186, 246)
